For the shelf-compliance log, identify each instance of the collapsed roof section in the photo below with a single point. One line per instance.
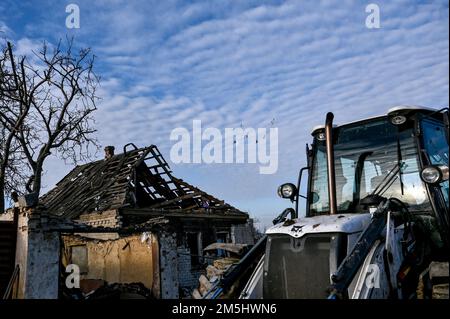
(137, 178)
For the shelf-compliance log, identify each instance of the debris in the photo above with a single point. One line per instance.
(196, 294)
(225, 263)
(213, 275)
(205, 285)
(212, 271)
(145, 236)
(213, 279)
(238, 249)
(121, 291)
(439, 278)
(439, 269)
(440, 291)
(89, 285)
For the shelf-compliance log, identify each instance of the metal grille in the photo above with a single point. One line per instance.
(297, 268)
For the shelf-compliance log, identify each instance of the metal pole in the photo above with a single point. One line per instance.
(330, 163)
(299, 181)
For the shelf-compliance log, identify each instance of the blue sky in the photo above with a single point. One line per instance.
(231, 63)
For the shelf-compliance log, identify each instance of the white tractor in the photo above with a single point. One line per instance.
(377, 214)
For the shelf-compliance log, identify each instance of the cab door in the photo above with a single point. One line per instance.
(434, 147)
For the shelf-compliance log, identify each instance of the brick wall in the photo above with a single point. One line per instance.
(109, 218)
(187, 276)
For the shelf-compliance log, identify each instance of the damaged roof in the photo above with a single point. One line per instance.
(136, 178)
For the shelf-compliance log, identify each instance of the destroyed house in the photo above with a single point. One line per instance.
(126, 219)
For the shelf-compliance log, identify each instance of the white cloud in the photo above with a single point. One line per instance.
(4, 29)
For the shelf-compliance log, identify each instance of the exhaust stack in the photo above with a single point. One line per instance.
(330, 163)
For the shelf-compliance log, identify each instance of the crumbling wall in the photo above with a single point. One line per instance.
(168, 266)
(43, 265)
(22, 252)
(109, 218)
(187, 275)
(37, 254)
(8, 215)
(124, 260)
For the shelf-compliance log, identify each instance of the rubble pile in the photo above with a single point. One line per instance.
(99, 289)
(218, 268)
(134, 290)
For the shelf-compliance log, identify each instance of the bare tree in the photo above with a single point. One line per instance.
(57, 87)
(13, 112)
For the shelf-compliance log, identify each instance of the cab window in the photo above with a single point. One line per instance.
(436, 145)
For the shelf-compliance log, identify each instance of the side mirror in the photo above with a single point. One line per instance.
(283, 216)
(287, 190)
(434, 174)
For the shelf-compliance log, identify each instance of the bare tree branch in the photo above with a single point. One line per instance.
(45, 108)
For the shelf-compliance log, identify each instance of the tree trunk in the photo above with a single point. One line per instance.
(3, 165)
(37, 181)
(2, 193)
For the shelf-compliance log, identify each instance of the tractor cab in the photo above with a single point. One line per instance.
(353, 168)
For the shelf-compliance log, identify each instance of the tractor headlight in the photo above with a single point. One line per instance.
(434, 174)
(321, 136)
(287, 190)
